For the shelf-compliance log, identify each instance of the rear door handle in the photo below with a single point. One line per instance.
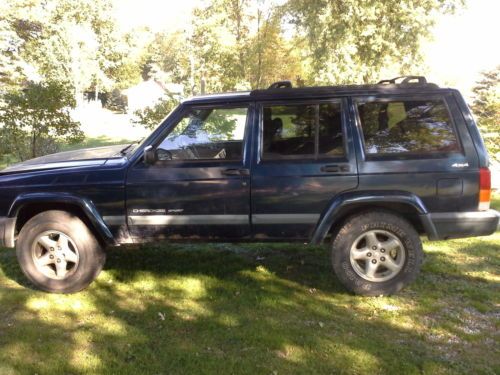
(330, 168)
(334, 168)
(236, 172)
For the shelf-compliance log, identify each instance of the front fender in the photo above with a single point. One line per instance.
(344, 200)
(84, 204)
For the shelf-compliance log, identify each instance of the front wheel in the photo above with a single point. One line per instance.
(376, 253)
(58, 253)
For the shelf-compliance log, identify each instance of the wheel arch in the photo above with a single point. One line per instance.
(346, 204)
(25, 206)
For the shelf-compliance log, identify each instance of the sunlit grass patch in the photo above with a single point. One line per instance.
(254, 308)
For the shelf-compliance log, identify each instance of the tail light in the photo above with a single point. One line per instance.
(484, 189)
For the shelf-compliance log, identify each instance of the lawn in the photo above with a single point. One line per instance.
(255, 309)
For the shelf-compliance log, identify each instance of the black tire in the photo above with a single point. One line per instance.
(91, 256)
(380, 223)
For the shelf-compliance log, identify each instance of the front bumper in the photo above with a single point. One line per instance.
(7, 228)
(445, 225)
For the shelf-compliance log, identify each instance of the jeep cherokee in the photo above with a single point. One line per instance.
(366, 168)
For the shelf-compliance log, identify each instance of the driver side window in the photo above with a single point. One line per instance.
(205, 134)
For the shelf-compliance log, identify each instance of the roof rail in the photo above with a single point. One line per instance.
(406, 79)
(281, 85)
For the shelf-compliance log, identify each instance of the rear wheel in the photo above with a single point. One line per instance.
(58, 253)
(376, 253)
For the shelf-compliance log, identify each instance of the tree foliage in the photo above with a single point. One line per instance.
(353, 40)
(53, 51)
(243, 44)
(10, 60)
(229, 45)
(73, 42)
(151, 116)
(486, 107)
(34, 118)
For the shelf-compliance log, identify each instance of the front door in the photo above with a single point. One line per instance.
(199, 187)
(305, 158)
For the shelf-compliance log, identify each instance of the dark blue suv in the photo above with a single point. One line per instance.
(368, 169)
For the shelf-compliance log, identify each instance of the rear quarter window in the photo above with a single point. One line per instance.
(407, 128)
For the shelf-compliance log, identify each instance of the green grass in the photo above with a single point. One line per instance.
(495, 200)
(255, 309)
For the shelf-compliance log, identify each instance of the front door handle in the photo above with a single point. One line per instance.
(236, 172)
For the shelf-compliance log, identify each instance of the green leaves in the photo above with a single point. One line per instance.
(353, 40)
(230, 45)
(52, 52)
(150, 117)
(34, 118)
(486, 107)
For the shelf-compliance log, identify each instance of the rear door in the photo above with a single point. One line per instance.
(303, 158)
(420, 144)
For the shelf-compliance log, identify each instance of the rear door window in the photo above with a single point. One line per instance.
(302, 131)
(407, 127)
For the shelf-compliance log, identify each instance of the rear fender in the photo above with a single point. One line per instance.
(344, 201)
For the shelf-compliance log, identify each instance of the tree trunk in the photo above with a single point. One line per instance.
(259, 53)
(33, 145)
(202, 85)
(192, 81)
(96, 92)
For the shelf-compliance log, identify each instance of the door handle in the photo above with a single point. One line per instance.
(330, 168)
(236, 172)
(334, 168)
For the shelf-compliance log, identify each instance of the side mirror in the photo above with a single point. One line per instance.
(149, 155)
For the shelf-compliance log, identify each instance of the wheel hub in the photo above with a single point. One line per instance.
(377, 255)
(55, 255)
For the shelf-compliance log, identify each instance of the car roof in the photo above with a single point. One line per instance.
(317, 92)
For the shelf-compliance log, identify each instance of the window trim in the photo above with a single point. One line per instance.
(316, 157)
(404, 155)
(187, 162)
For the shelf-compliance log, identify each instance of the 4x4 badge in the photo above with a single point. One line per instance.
(460, 165)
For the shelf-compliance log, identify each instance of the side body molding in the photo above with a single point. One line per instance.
(84, 204)
(348, 199)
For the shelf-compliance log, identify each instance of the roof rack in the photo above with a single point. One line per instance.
(405, 79)
(281, 85)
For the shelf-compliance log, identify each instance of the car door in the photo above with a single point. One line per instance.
(417, 143)
(304, 158)
(199, 185)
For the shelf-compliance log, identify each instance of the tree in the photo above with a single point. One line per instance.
(166, 59)
(11, 69)
(240, 44)
(243, 44)
(150, 117)
(34, 118)
(486, 107)
(72, 42)
(353, 40)
(272, 57)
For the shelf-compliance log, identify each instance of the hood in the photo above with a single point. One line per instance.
(77, 158)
